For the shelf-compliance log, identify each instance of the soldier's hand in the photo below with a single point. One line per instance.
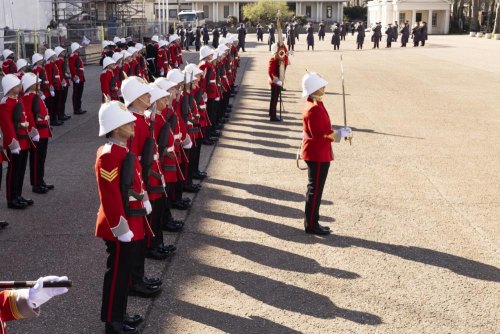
(147, 206)
(39, 295)
(126, 237)
(346, 133)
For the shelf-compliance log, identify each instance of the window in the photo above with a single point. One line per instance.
(226, 11)
(402, 17)
(205, 10)
(308, 11)
(434, 19)
(328, 12)
(172, 13)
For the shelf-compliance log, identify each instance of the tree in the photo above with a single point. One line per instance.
(266, 11)
(496, 28)
(474, 20)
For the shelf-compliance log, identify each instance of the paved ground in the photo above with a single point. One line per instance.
(416, 240)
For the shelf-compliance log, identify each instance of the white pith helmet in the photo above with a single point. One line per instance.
(112, 115)
(116, 39)
(117, 56)
(126, 54)
(28, 80)
(173, 38)
(274, 48)
(131, 50)
(156, 93)
(133, 88)
(7, 53)
(139, 46)
(164, 83)
(155, 38)
(107, 61)
(192, 68)
(36, 58)
(311, 82)
(223, 40)
(162, 43)
(104, 44)
(20, 63)
(49, 53)
(176, 76)
(58, 50)
(206, 51)
(75, 46)
(8, 82)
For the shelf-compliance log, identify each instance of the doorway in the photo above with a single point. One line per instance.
(418, 17)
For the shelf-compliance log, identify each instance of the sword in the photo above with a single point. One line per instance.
(343, 97)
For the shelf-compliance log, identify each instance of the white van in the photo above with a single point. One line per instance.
(193, 17)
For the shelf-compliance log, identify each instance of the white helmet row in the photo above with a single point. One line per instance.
(173, 38)
(311, 82)
(36, 58)
(49, 53)
(139, 46)
(156, 93)
(117, 56)
(133, 88)
(29, 79)
(116, 39)
(163, 43)
(164, 83)
(131, 50)
(7, 53)
(176, 76)
(21, 63)
(9, 81)
(107, 61)
(155, 38)
(58, 50)
(75, 46)
(112, 115)
(206, 51)
(192, 68)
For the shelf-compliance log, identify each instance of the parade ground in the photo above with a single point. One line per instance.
(413, 203)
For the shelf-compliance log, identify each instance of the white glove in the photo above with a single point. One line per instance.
(15, 151)
(42, 97)
(126, 237)
(162, 72)
(346, 132)
(36, 138)
(39, 295)
(187, 143)
(52, 92)
(76, 80)
(279, 83)
(147, 206)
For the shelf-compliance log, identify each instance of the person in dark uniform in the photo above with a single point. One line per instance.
(197, 39)
(321, 31)
(224, 31)
(343, 30)
(242, 32)
(310, 36)
(416, 34)
(215, 37)
(291, 37)
(336, 37)
(395, 29)
(189, 37)
(390, 35)
(260, 33)
(405, 34)
(316, 148)
(206, 35)
(271, 39)
(296, 30)
(360, 39)
(376, 35)
(76, 68)
(353, 28)
(423, 33)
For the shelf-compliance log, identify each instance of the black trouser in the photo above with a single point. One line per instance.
(50, 103)
(77, 96)
(64, 98)
(275, 94)
(156, 221)
(38, 156)
(211, 110)
(389, 43)
(422, 42)
(116, 279)
(57, 104)
(15, 174)
(342, 37)
(194, 160)
(317, 173)
(336, 46)
(167, 215)
(376, 40)
(138, 259)
(415, 42)
(360, 45)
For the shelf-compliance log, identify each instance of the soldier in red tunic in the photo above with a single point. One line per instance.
(77, 70)
(16, 131)
(38, 118)
(25, 303)
(55, 86)
(316, 148)
(109, 80)
(62, 65)
(8, 65)
(209, 84)
(121, 218)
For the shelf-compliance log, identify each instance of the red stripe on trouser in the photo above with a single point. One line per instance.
(35, 166)
(113, 281)
(313, 207)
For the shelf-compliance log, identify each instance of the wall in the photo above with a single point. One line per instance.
(17, 12)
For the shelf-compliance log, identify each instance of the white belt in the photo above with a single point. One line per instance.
(56, 76)
(213, 81)
(171, 148)
(203, 107)
(178, 136)
(155, 157)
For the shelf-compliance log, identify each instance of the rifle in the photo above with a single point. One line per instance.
(30, 284)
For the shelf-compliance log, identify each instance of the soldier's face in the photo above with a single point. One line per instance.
(126, 131)
(15, 90)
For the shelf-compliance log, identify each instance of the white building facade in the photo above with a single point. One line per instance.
(218, 11)
(435, 12)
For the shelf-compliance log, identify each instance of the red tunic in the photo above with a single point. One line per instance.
(109, 85)
(174, 61)
(168, 164)
(7, 106)
(64, 75)
(316, 124)
(14, 306)
(108, 168)
(9, 67)
(42, 122)
(42, 75)
(211, 88)
(53, 75)
(76, 67)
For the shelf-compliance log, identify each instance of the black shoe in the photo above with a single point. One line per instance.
(119, 328)
(180, 205)
(324, 227)
(56, 123)
(191, 188)
(28, 201)
(80, 112)
(318, 231)
(64, 117)
(213, 139)
(144, 291)
(275, 119)
(3, 224)
(152, 281)
(16, 204)
(133, 319)
(168, 248)
(208, 142)
(199, 176)
(172, 226)
(40, 190)
(48, 186)
(156, 254)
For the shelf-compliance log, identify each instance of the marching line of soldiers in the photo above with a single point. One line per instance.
(155, 127)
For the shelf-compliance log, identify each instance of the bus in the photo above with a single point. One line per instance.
(193, 17)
